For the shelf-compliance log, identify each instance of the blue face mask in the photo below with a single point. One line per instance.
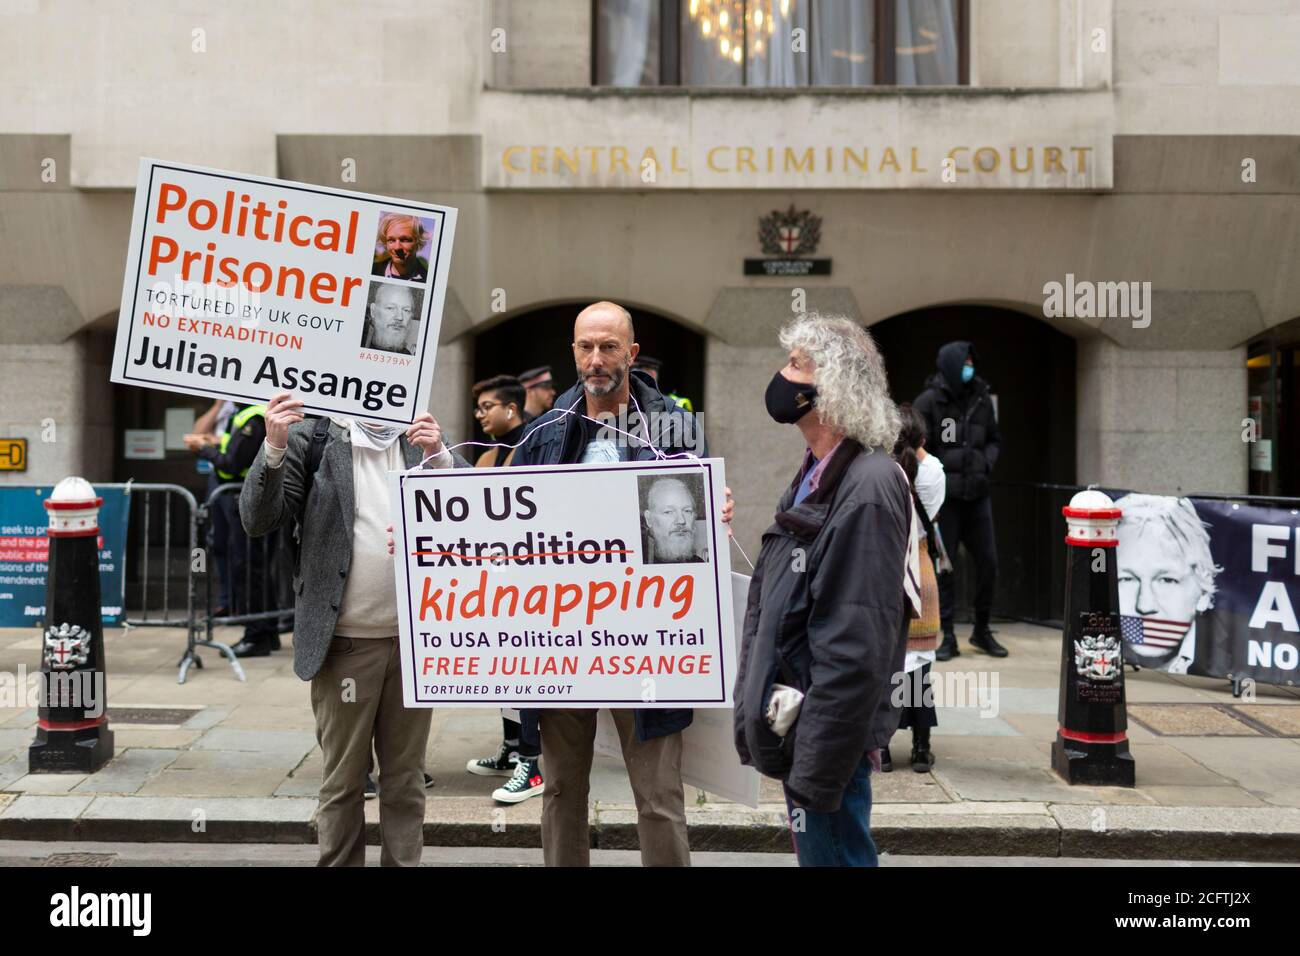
(967, 372)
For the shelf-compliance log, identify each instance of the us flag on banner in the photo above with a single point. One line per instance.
(1153, 631)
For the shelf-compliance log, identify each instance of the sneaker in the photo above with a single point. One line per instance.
(428, 782)
(502, 765)
(526, 782)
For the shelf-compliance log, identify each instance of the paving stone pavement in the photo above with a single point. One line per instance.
(243, 764)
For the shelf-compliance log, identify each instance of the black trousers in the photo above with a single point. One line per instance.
(252, 585)
(969, 523)
(219, 544)
(919, 712)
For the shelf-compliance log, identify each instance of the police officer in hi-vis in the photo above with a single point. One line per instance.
(252, 587)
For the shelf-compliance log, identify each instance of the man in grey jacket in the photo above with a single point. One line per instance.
(345, 634)
(824, 628)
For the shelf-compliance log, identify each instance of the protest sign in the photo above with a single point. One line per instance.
(1209, 587)
(709, 758)
(559, 586)
(24, 548)
(242, 287)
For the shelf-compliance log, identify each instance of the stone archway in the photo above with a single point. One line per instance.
(543, 336)
(1031, 369)
(1029, 365)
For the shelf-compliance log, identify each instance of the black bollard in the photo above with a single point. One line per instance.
(72, 720)
(1091, 744)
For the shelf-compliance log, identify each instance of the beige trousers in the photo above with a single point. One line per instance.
(357, 698)
(654, 769)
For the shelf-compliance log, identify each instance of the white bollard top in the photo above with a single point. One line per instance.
(73, 508)
(1091, 519)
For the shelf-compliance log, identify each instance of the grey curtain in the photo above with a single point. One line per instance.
(844, 43)
(925, 40)
(627, 43)
(771, 56)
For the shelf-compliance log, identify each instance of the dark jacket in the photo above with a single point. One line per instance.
(241, 448)
(826, 616)
(960, 426)
(420, 274)
(554, 442)
(272, 497)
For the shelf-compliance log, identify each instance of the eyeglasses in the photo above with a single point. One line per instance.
(486, 407)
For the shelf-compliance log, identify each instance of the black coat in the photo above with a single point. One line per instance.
(826, 616)
(554, 442)
(960, 426)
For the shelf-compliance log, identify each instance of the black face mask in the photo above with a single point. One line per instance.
(788, 401)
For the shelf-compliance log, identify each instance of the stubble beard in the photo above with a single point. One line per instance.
(616, 376)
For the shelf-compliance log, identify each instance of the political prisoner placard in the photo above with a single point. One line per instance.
(580, 585)
(242, 287)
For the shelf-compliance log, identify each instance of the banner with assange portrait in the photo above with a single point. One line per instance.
(559, 586)
(1209, 587)
(241, 287)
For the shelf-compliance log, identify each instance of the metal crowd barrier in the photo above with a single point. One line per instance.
(169, 534)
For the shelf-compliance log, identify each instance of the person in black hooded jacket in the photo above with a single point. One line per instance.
(962, 429)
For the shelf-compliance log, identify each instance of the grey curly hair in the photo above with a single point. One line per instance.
(852, 391)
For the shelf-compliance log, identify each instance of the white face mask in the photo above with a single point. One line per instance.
(370, 434)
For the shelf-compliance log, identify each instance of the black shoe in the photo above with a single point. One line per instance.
(247, 648)
(982, 638)
(948, 648)
(922, 758)
(428, 782)
(886, 762)
(275, 641)
(372, 788)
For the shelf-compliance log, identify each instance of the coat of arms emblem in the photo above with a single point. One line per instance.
(66, 646)
(789, 233)
(1096, 657)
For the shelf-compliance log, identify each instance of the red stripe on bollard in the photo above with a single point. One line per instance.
(1084, 737)
(69, 724)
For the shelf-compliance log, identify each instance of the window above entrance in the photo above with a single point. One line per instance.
(780, 43)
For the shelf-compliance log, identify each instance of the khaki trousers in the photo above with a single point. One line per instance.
(357, 697)
(653, 767)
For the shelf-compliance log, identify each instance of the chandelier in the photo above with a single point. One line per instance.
(727, 23)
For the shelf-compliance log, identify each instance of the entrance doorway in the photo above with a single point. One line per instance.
(544, 337)
(1030, 368)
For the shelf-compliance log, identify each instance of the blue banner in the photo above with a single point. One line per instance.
(1210, 588)
(24, 548)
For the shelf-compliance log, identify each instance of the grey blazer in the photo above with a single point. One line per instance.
(272, 497)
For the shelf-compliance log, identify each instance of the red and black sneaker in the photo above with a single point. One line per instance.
(526, 782)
